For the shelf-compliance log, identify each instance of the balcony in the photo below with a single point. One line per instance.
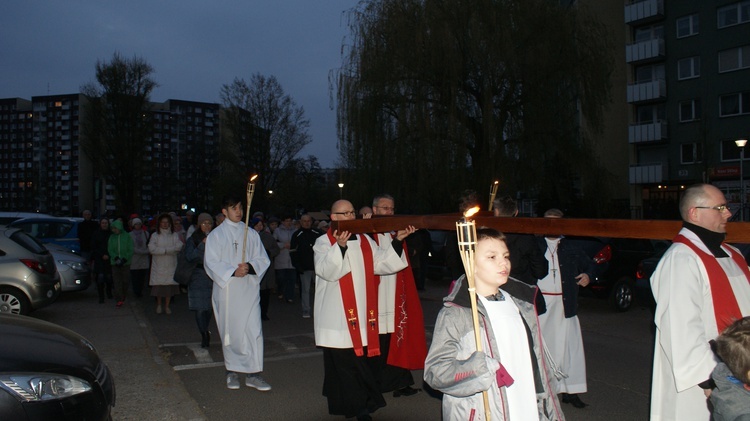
(645, 51)
(644, 11)
(647, 173)
(647, 91)
(648, 132)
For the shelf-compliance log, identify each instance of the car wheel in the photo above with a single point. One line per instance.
(13, 301)
(621, 296)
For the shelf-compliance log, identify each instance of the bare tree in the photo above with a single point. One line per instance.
(116, 125)
(265, 126)
(448, 95)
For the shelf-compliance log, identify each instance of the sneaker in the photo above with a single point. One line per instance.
(257, 382)
(158, 309)
(233, 381)
(167, 310)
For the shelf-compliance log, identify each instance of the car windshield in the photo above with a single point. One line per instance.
(28, 242)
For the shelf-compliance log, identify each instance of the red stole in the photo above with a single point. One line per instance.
(408, 347)
(346, 284)
(726, 309)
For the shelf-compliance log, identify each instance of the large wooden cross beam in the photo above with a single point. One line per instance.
(737, 232)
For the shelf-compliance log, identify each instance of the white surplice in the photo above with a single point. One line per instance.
(562, 335)
(513, 346)
(685, 323)
(331, 328)
(236, 301)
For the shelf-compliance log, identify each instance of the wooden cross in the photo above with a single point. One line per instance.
(737, 232)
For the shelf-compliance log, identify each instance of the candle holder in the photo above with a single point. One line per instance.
(466, 230)
(493, 193)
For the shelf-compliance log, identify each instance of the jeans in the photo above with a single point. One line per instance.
(306, 280)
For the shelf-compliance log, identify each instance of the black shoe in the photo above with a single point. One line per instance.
(574, 400)
(205, 339)
(405, 391)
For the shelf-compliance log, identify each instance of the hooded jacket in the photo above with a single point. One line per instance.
(454, 367)
(120, 245)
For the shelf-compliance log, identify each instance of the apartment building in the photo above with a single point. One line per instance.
(44, 168)
(689, 97)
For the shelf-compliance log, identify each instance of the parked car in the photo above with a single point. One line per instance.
(8, 217)
(60, 231)
(615, 266)
(75, 272)
(28, 277)
(48, 372)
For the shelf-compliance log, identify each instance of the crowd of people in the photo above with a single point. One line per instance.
(507, 340)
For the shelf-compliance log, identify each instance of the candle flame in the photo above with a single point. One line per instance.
(470, 212)
(496, 182)
(253, 177)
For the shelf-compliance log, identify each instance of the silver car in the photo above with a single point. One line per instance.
(28, 277)
(75, 272)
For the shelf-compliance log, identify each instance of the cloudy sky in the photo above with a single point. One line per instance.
(51, 47)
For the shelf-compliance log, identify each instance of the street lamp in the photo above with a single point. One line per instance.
(341, 190)
(741, 144)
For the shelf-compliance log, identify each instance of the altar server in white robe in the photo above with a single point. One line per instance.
(701, 285)
(236, 294)
(346, 313)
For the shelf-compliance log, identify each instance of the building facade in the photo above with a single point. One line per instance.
(44, 167)
(689, 97)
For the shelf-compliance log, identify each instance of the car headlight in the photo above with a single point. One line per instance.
(34, 387)
(76, 266)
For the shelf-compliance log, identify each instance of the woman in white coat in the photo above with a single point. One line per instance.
(164, 246)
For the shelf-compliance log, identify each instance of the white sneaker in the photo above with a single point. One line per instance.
(233, 381)
(257, 382)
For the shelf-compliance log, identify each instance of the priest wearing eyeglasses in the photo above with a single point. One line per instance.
(346, 313)
(701, 286)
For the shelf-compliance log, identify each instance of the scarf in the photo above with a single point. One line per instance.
(346, 284)
(726, 309)
(408, 347)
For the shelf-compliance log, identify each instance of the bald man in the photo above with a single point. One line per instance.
(346, 313)
(701, 285)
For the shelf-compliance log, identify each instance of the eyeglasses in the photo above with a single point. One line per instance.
(720, 208)
(347, 213)
(386, 208)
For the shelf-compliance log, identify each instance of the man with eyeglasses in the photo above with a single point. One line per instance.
(701, 286)
(346, 313)
(402, 338)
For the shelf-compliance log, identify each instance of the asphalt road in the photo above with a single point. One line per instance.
(162, 373)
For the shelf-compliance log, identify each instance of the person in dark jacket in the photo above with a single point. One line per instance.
(269, 278)
(569, 268)
(100, 256)
(301, 252)
(201, 286)
(528, 264)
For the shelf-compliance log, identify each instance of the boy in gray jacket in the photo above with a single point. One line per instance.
(731, 396)
(512, 368)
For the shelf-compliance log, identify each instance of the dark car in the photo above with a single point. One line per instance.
(60, 231)
(48, 372)
(616, 261)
